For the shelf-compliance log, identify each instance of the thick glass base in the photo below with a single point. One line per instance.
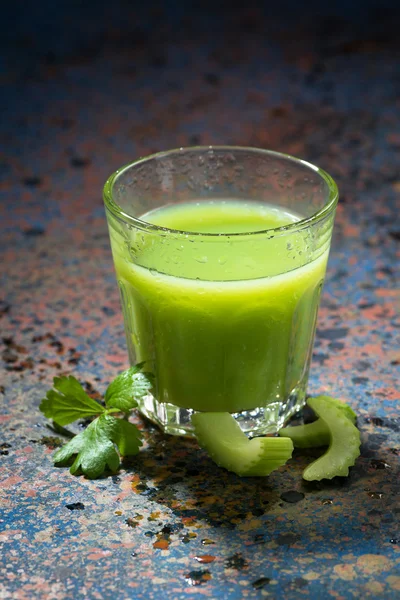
(268, 419)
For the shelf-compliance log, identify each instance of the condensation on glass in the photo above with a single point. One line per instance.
(245, 347)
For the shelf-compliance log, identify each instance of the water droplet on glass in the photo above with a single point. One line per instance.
(201, 259)
(222, 260)
(132, 251)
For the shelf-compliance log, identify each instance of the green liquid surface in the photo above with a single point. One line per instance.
(226, 322)
(225, 216)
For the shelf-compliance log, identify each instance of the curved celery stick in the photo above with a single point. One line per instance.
(307, 436)
(317, 433)
(229, 447)
(345, 408)
(344, 445)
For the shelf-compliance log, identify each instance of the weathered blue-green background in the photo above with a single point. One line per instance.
(89, 86)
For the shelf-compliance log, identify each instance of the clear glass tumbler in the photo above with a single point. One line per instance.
(225, 318)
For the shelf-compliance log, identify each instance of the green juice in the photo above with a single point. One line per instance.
(226, 322)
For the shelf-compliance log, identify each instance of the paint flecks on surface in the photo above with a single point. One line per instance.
(51, 441)
(32, 181)
(79, 162)
(379, 464)
(345, 572)
(205, 559)
(130, 522)
(187, 537)
(373, 563)
(75, 506)
(260, 583)
(394, 582)
(34, 231)
(287, 539)
(161, 544)
(207, 542)
(236, 561)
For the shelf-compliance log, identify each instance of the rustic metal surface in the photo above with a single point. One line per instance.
(87, 88)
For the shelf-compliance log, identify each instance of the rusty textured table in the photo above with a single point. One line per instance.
(88, 87)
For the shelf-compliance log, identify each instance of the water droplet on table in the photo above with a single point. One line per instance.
(379, 464)
(236, 561)
(197, 577)
(205, 559)
(260, 583)
(207, 542)
(292, 496)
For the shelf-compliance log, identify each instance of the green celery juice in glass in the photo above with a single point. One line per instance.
(224, 326)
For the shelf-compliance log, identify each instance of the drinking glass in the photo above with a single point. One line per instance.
(224, 321)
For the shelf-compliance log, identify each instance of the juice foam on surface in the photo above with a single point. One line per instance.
(220, 216)
(244, 242)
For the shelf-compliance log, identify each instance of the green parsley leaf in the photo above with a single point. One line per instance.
(129, 387)
(95, 449)
(68, 402)
(95, 446)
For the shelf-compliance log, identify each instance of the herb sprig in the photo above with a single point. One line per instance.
(111, 435)
(95, 449)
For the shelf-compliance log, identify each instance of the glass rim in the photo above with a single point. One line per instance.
(118, 212)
